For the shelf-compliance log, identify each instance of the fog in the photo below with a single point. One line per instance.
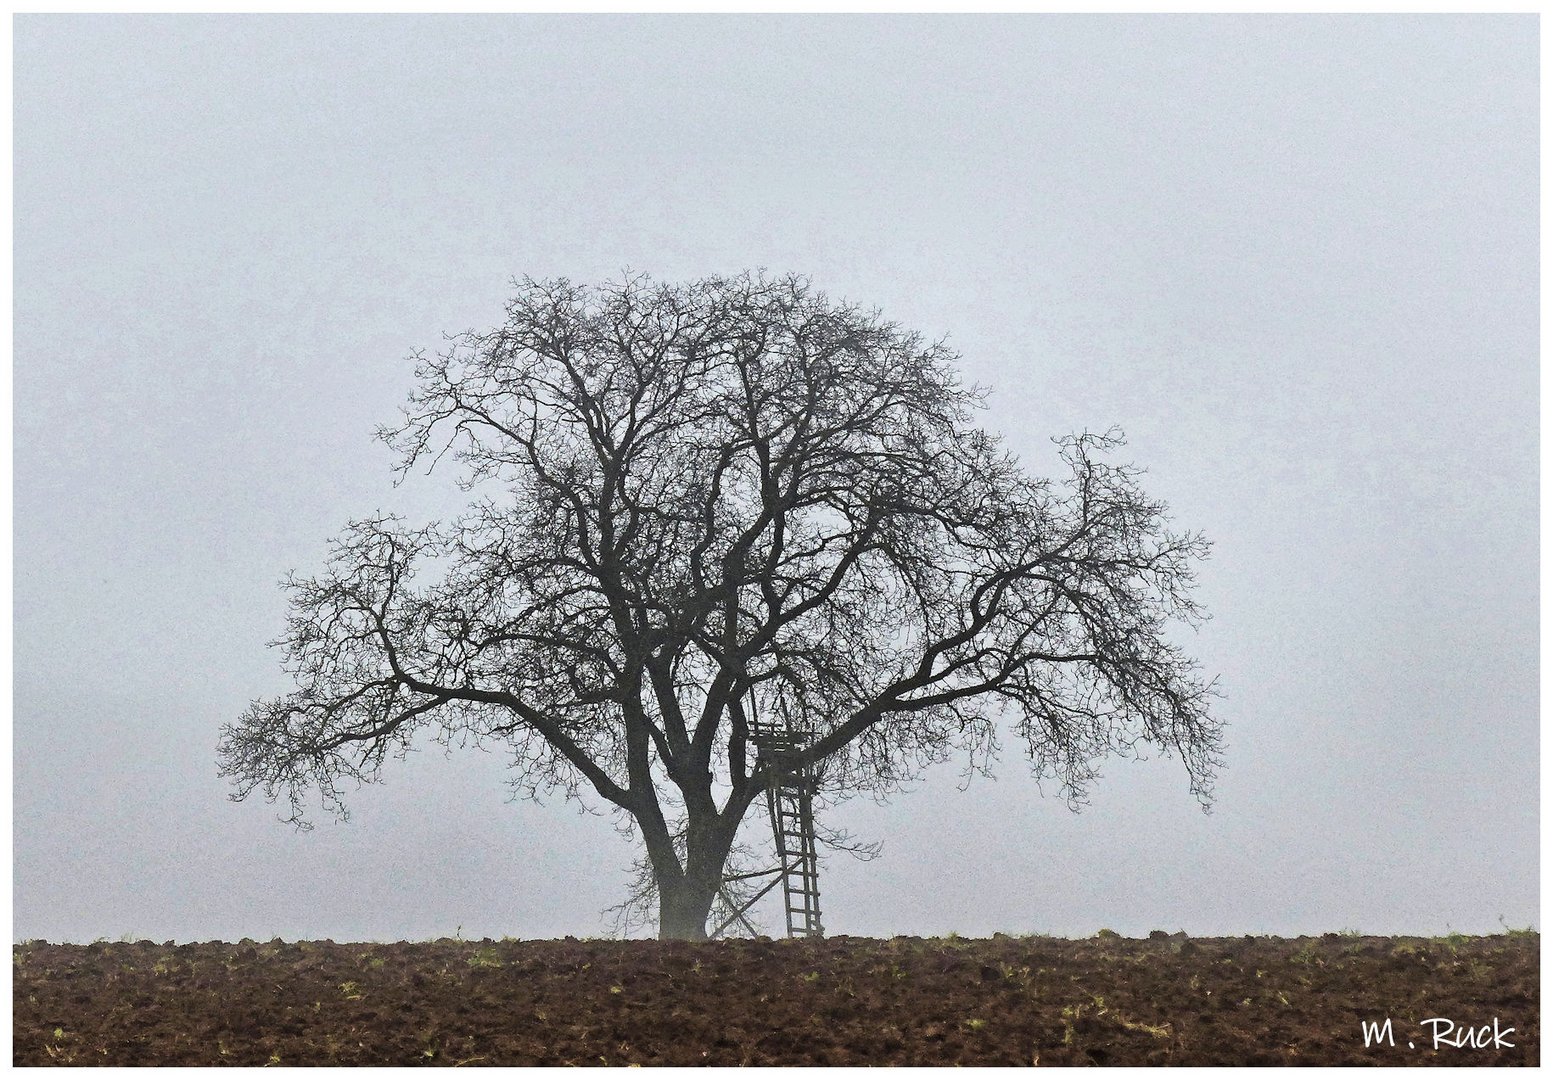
(1294, 258)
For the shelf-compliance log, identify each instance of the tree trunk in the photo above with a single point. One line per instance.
(683, 907)
(685, 896)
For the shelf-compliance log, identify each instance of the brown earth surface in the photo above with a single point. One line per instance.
(1167, 1000)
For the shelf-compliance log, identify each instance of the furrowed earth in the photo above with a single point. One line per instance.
(1165, 1000)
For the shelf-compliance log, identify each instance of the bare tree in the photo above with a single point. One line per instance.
(701, 502)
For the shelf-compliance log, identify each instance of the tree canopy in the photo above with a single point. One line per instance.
(697, 505)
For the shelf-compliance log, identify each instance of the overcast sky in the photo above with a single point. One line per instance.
(1294, 258)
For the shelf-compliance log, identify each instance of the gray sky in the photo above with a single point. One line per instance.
(1294, 258)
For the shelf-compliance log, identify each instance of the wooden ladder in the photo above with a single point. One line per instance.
(790, 799)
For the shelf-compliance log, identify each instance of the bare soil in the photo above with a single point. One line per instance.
(1167, 1000)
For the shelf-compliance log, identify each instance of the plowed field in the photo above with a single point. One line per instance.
(903, 1001)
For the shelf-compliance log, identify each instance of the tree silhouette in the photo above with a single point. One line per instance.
(700, 501)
